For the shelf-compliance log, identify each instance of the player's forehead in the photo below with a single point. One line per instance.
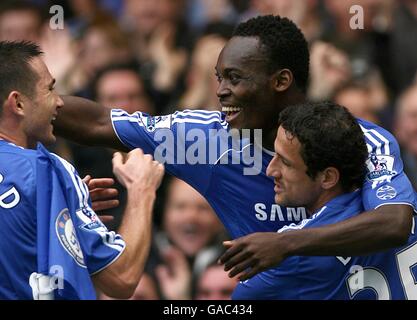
(287, 145)
(242, 53)
(39, 66)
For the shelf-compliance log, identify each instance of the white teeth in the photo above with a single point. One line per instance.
(231, 109)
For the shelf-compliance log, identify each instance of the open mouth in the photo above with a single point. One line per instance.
(231, 112)
(190, 232)
(278, 188)
(53, 118)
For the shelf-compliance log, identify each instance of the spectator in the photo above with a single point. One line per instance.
(191, 238)
(215, 284)
(365, 98)
(121, 86)
(406, 131)
(20, 20)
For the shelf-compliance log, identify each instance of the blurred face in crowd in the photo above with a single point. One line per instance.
(406, 120)
(123, 89)
(149, 14)
(189, 220)
(356, 100)
(215, 284)
(101, 46)
(246, 89)
(18, 25)
(41, 109)
(293, 187)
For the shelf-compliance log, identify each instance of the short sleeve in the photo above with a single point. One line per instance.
(182, 141)
(386, 182)
(100, 247)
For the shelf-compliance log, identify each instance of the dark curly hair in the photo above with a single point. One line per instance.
(285, 45)
(330, 137)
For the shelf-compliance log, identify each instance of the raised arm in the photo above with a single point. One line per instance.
(86, 122)
(376, 230)
(141, 176)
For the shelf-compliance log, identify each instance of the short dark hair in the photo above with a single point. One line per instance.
(285, 43)
(15, 71)
(330, 137)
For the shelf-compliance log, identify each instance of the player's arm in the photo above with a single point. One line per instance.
(380, 229)
(86, 122)
(141, 176)
(388, 199)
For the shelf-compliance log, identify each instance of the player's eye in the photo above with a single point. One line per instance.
(234, 78)
(218, 77)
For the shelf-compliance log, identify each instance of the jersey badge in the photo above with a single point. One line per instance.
(90, 220)
(68, 238)
(158, 122)
(380, 168)
(386, 193)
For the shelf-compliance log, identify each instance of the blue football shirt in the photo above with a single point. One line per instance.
(187, 141)
(47, 222)
(386, 275)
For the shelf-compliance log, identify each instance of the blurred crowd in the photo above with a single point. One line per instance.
(157, 56)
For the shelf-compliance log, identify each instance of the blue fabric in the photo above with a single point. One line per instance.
(245, 203)
(55, 215)
(386, 275)
(48, 226)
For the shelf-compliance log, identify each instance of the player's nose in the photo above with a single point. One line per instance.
(222, 90)
(273, 169)
(59, 102)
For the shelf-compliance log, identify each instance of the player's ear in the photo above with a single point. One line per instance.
(283, 79)
(329, 177)
(15, 103)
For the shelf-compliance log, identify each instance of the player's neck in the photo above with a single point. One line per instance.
(323, 199)
(293, 97)
(19, 140)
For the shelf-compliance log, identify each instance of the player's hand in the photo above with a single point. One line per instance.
(102, 195)
(137, 170)
(251, 254)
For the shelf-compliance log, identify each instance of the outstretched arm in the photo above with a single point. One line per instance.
(380, 229)
(86, 122)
